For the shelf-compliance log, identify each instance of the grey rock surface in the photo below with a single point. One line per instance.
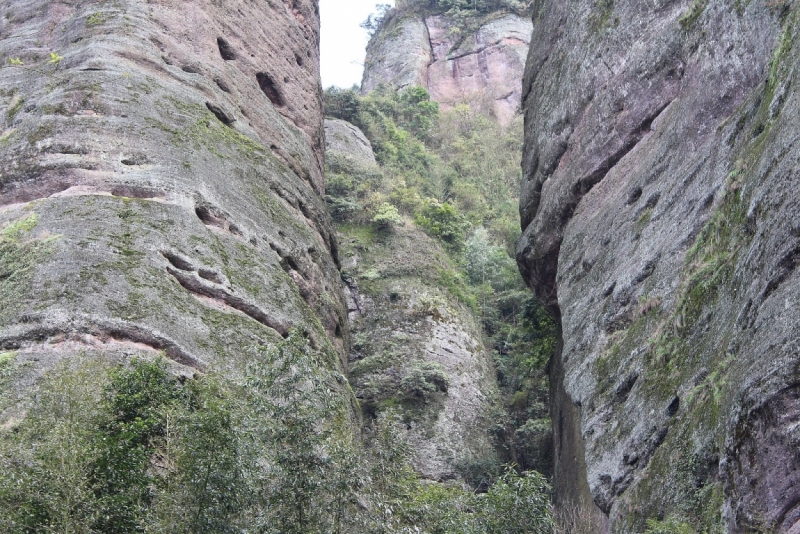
(398, 56)
(484, 67)
(161, 181)
(343, 140)
(659, 211)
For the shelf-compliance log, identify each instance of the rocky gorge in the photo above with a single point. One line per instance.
(223, 308)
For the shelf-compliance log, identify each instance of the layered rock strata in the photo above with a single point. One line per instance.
(484, 66)
(660, 227)
(161, 180)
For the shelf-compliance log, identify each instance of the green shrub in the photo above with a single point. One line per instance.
(517, 503)
(670, 525)
(442, 220)
(386, 217)
(424, 379)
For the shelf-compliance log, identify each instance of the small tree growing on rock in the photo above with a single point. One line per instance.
(386, 217)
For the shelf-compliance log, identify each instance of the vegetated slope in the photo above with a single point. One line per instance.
(456, 52)
(421, 301)
(416, 348)
(659, 220)
(161, 185)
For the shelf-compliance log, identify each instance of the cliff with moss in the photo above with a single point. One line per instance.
(161, 191)
(161, 182)
(660, 229)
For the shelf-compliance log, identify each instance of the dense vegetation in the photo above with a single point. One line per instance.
(113, 449)
(456, 175)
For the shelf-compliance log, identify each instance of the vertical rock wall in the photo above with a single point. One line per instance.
(660, 218)
(161, 173)
(486, 64)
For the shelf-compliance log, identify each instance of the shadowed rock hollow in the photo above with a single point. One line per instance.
(161, 173)
(660, 213)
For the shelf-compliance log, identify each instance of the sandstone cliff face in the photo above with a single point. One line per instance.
(160, 182)
(660, 220)
(404, 324)
(486, 64)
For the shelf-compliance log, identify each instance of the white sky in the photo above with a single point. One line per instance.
(343, 42)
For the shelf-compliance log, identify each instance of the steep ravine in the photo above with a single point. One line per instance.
(660, 227)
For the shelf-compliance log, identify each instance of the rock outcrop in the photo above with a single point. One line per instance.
(661, 227)
(485, 65)
(416, 349)
(349, 147)
(161, 181)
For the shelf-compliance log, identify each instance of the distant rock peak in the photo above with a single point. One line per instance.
(484, 67)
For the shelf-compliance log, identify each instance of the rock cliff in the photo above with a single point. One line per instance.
(485, 65)
(661, 227)
(416, 349)
(161, 180)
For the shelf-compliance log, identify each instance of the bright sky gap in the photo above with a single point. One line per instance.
(344, 42)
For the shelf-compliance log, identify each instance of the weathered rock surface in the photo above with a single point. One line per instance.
(485, 65)
(161, 180)
(401, 320)
(660, 225)
(345, 141)
(398, 56)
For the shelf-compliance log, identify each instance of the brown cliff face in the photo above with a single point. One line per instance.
(486, 65)
(161, 171)
(659, 220)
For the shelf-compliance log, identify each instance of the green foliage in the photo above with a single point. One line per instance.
(488, 263)
(467, 14)
(203, 463)
(669, 526)
(458, 9)
(375, 21)
(442, 220)
(517, 504)
(462, 158)
(96, 19)
(343, 104)
(135, 399)
(135, 449)
(522, 350)
(296, 408)
(15, 61)
(423, 379)
(45, 464)
(386, 216)
(688, 19)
